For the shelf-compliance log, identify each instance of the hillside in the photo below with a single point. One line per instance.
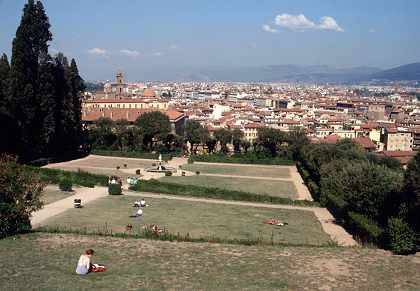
(410, 72)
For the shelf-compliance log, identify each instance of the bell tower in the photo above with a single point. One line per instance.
(120, 83)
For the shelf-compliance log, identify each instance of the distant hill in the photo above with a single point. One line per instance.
(283, 73)
(410, 72)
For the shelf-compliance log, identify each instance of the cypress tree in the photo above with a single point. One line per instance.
(4, 78)
(7, 122)
(47, 105)
(30, 43)
(77, 87)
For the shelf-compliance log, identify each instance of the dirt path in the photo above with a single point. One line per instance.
(50, 210)
(336, 232)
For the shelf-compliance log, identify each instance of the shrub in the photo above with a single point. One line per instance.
(168, 174)
(118, 167)
(183, 173)
(114, 189)
(197, 172)
(401, 238)
(66, 185)
(20, 196)
(337, 206)
(138, 172)
(366, 229)
(125, 165)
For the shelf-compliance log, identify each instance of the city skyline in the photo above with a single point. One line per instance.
(155, 39)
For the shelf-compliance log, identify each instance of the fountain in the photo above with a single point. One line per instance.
(159, 168)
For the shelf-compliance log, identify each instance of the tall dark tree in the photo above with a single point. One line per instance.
(224, 137)
(237, 136)
(8, 123)
(30, 43)
(77, 87)
(47, 104)
(270, 139)
(4, 78)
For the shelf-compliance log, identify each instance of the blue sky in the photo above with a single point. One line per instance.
(151, 38)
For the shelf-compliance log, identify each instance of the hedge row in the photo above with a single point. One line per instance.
(366, 229)
(81, 178)
(216, 193)
(241, 159)
(131, 154)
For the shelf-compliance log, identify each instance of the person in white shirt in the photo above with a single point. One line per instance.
(84, 265)
(142, 203)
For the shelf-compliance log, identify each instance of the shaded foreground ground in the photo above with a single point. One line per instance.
(272, 188)
(196, 219)
(47, 262)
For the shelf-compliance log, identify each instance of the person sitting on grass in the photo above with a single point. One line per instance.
(84, 265)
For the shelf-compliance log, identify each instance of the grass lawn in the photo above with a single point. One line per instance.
(47, 262)
(197, 219)
(266, 187)
(110, 162)
(52, 195)
(259, 171)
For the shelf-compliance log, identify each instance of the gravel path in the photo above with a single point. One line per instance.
(50, 210)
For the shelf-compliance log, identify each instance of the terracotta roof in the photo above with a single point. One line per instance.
(148, 93)
(333, 138)
(365, 142)
(127, 114)
(254, 125)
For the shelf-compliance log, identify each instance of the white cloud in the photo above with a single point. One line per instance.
(158, 54)
(372, 30)
(130, 53)
(329, 23)
(301, 23)
(268, 28)
(98, 52)
(294, 22)
(173, 46)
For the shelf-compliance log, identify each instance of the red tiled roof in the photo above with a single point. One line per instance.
(365, 142)
(127, 114)
(333, 138)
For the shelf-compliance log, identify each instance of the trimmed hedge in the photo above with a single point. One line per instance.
(241, 159)
(337, 206)
(114, 189)
(156, 186)
(54, 176)
(131, 154)
(65, 185)
(366, 229)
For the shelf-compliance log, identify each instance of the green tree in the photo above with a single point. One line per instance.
(412, 191)
(77, 87)
(122, 134)
(211, 145)
(297, 139)
(194, 133)
(224, 137)
(47, 106)
(155, 126)
(245, 144)
(237, 136)
(20, 192)
(270, 139)
(365, 187)
(30, 43)
(101, 136)
(8, 123)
